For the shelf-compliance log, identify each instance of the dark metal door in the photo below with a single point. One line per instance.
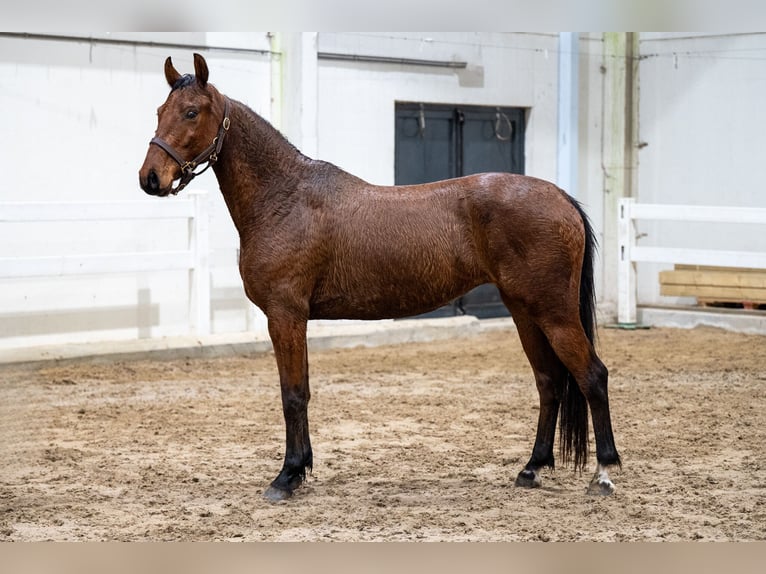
(437, 141)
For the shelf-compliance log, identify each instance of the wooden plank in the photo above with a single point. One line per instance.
(752, 305)
(717, 284)
(96, 211)
(713, 278)
(56, 266)
(714, 293)
(716, 214)
(682, 267)
(626, 268)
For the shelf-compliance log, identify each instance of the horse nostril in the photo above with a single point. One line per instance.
(154, 181)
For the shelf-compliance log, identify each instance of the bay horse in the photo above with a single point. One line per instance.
(319, 243)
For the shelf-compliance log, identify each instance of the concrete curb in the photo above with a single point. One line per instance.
(322, 335)
(737, 320)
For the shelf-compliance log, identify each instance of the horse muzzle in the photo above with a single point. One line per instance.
(152, 183)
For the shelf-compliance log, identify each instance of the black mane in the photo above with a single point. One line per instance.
(183, 81)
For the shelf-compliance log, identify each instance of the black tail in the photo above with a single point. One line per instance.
(573, 413)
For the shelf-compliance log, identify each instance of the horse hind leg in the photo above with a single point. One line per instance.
(576, 352)
(549, 375)
(600, 484)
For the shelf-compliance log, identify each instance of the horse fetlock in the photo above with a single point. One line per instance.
(286, 482)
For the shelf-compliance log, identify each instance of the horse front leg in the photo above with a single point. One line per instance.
(288, 336)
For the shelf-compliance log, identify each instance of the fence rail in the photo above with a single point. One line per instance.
(195, 258)
(630, 253)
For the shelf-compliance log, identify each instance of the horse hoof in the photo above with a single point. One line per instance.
(273, 494)
(528, 479)
(600, 487)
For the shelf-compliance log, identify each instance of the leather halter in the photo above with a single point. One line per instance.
(209, 154)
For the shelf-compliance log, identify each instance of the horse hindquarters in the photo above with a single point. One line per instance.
(547, 283)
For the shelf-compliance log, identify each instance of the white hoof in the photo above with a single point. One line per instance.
(600, 485)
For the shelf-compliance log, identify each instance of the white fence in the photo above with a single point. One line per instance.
(630, 253)
(195, 258)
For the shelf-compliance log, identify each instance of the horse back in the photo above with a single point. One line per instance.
(402, 250)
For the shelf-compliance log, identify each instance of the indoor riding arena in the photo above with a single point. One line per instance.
(411, 442)
(417, 262)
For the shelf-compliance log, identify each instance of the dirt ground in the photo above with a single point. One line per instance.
(415, 442)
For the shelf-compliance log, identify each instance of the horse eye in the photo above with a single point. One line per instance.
(191, 114)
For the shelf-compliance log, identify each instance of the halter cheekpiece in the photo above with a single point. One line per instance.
(209, 154)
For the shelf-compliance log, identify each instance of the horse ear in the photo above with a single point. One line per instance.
(200, 70)
(171, 74)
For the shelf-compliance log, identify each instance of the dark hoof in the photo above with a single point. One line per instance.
(528, 479)
(274, 494)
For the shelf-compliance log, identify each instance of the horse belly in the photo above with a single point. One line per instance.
(390, 287)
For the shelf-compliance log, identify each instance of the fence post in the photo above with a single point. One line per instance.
(626, 269)
(199, 243)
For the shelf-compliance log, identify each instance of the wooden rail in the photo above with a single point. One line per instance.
(195, 258)
(629, 253)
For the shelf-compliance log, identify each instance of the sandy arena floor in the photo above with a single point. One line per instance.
(416, 442)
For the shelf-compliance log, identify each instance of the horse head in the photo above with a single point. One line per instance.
(191, 126)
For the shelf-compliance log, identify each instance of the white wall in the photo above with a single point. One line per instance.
(703, 120)
(83, 113)
(79, 116)
(357, 99)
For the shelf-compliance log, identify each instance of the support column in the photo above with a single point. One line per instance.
(298, 89)
(568, 113)
(620, 150)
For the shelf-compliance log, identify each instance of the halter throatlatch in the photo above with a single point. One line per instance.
(209, 154)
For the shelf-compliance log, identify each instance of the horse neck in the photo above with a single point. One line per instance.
(255, 164)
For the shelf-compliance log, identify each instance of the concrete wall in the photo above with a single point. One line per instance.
(701, 124)
(80, 112)
(357, 99)
(79, 116)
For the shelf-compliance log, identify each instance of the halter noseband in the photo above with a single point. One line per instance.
(209, 154)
